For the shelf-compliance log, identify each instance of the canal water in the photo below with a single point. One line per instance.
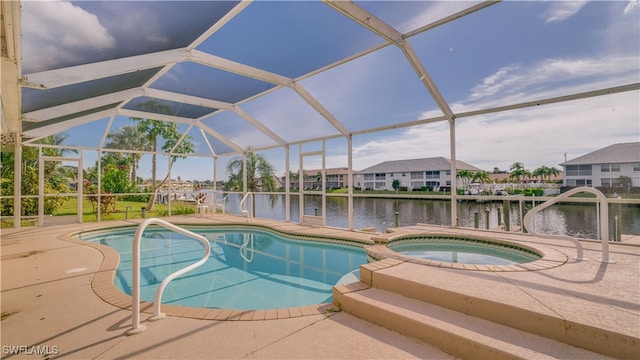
(576, 220)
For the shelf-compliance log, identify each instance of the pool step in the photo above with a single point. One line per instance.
(461, 335)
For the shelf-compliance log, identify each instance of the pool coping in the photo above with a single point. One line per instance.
(550, 257)
(104, 287)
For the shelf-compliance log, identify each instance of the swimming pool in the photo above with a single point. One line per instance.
(248, 268)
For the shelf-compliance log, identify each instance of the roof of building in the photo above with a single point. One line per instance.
(616, 153)
(328, 171)
(434, 163)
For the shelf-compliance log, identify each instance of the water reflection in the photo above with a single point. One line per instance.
(577, 220)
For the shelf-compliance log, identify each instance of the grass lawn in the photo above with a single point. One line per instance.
(135, 212)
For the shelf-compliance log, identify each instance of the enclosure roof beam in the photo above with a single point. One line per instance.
(155, 116)
(260, 126)
(102, 69)
(187, 99)
(219, 24)
(238, 68)
(67, 124)
(369, 21)
(80, 105)
(220, 137)
(320, 109)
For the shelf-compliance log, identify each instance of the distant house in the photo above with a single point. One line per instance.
(604, 167)
(413, 174)
(335, 178)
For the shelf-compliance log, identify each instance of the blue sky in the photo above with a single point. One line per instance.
(507, 53)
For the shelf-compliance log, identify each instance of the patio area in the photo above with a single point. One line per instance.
(50, 304)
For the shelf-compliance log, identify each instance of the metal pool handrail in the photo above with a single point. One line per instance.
(243, 206)
(135, 297)
(247, 239)
(604, 221)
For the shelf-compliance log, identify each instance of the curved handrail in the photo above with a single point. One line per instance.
(135, 296)
(247, 239)
(243, 206)
(604, 220)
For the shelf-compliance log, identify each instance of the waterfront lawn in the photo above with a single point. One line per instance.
(135, 210)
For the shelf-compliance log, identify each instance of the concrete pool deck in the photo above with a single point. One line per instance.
(49, 305)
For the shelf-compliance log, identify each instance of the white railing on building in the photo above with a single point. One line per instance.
(135, 296)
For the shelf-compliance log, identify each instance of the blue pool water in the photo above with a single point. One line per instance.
(247, 269)
(463, 253)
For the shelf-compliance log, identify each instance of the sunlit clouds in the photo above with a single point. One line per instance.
(630, 6)
(562, 10)
(57, 31)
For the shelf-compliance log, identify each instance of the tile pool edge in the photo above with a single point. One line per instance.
(102, 284)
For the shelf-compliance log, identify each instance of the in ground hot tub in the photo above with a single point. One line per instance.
(466, 252)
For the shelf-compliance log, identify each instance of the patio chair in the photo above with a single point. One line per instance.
(202, 205)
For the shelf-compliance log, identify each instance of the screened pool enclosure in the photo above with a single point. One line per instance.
(304, 84)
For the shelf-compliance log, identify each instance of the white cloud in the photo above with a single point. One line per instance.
(55, 30)
(630, 6)
(426, 12)
(534, 136)
(562, 10)
(553, 77)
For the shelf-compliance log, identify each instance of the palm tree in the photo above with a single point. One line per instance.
(52, 169)
(482, 177)
(260, 176)
(56, 176)
(552, 172)
(169, 132)
(465, 176)
(516, 166)
(518, 171)
(130, 138)
(541, 172)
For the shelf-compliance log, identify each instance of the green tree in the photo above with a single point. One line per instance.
(518, 171)
(541, 172)
(481, 177)
(625, 183)
(130, 138)
(395, 184)
(319, 179)
(260, 174)
(294, 178)
(465, 176)
(516, 166)
(170, 133)
(56, 177)
(552, 172)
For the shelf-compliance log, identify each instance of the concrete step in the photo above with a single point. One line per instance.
(517, 313)
(461, 335)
